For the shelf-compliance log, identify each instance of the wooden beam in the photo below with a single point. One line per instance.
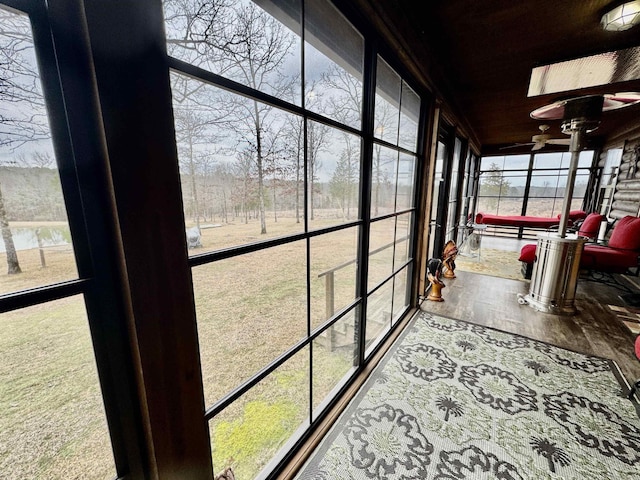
(132, 73)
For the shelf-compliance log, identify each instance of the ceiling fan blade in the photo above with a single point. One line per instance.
(515, 145)
(559, 141)
(537, 146)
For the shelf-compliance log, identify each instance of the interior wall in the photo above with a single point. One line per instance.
(626, 196)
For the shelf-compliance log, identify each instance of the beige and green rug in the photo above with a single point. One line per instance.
(496, 263)
(454, 400)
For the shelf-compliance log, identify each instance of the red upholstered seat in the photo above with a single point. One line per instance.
(575, 215)
(528, 253)
(620, 254)
(626, 234)
(638, 347)
(527, 221)
(591, 225)
(607, 259)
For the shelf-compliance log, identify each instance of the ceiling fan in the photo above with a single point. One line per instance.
(540, 140)
(543, 139)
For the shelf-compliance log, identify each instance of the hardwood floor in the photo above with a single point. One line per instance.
(492, 301)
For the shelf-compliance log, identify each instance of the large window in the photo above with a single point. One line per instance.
(53, 423)
(531, 185)
(203, 247)
(269, 110)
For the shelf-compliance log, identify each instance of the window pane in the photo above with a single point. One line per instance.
(334, 353)
(378, 315)
(585, 159)
(400, 294)
(334, 53)
(53, 423)
(403, 229)
(333, 158)
(409, 115)
(250, 309)
(580, 186)
(406, 180)
(36, 247)
(257, 47)
(384, 179)
(550, 160)
(248, 434)
(510, 206)
(544, 186)
(240, 166)
(333, 273)
(387, 111)
(516, 162)
(491, 163)
(381, 243)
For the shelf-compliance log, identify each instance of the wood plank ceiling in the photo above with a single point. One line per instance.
(478, 56)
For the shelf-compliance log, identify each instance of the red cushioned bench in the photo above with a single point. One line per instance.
(526, 221)
(621, 253)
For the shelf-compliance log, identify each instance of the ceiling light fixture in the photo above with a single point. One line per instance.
(622, 17)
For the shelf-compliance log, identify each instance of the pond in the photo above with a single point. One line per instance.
(27, 238)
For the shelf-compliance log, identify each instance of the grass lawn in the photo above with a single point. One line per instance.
(250, 309)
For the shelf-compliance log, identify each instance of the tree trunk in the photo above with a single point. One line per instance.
(194, 192)
(263, 222)
(12, 257)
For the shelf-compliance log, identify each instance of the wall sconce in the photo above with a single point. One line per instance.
(622, 17)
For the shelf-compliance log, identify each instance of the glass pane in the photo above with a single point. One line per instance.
(257, 46)
(333, 158)
(406, 180)
(487, 205)
(550, 160)
(378, 315)
(510, 206)
(516, 162)
(580, 185)
(334, 354)
(381, 247)
(403, 229)
(400, 294)
(586, 158)
(383, 178)
(409, 116)
(544, 186)
(53, 423)
(240, 166)
(388, 87)
(333, 273)
(494, 183)
(250, 309)
(248, 434)
(438, 180)
(36, 247)
(334, 53)
(491, 163)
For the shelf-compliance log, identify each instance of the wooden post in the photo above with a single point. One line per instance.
(329, 285)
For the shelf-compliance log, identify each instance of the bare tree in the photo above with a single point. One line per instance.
(317, 134)
(13, 266)
(241, 41)
(23, 116)
(294, 147)
(260, 48)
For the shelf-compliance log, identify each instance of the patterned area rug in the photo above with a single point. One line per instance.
(497, 263)
(453, 401)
